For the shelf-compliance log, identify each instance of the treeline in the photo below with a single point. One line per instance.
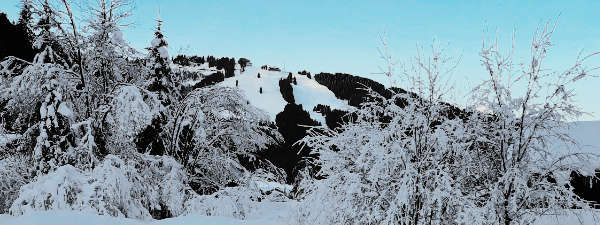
(334, 118)
(285, 87)
(225, 63)
(351, 88)
(291, 123)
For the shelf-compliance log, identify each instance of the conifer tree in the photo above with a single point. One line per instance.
(24, 26)
(53, 140)
(162, 81)
(46, 42)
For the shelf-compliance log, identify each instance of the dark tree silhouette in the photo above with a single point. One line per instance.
(243, 63)
(289, 124)
(286, 90)
(16, 40)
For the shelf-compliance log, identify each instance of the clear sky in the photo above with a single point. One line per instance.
(341, 36)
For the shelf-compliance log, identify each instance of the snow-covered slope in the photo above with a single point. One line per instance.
(310, 93)
(587, 136)
(587, 133)
(307, 92)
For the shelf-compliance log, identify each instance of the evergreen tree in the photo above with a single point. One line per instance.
(162, 81)
(54, 139)
(151, 140)
(24, 26)
(46, 42)
(243, 63)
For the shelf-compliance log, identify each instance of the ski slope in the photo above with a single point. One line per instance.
(307, 92)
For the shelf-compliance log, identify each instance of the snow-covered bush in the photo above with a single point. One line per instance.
(142, 188)
(230, 202)
(399, 162)
(213, 127)
(238, 202)
(131, 110)
(527, 109)
(25, 92)
(15, 171)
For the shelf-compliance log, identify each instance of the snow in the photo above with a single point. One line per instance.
(64, 110)
(118, 37)
(155, 42)
(270, 215)
(164, 52)
(270, 100)
(587, 135)
(132, 112)
(570, 219)
(308, 92)
(7, 138)
(76, 218)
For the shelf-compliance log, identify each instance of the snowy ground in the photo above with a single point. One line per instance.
(265, 213)
(76, 218)
(307, 92)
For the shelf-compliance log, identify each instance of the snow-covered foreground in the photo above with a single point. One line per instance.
(76, 218)
(263, 213)
(271, 216)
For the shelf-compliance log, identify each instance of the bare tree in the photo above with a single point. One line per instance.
(528, 109)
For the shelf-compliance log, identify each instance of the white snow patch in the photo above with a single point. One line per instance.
(270, 100)
(155, 42)
(118, 37)
(307, 92)
(164, 52)
(310, 93)
(65, 110)
(76, 218)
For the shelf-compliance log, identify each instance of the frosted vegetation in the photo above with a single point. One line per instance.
(94, 126)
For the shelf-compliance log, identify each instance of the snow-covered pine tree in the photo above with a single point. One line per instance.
(54, 139)
(25, 24)
(106, 51)
(161, 76)
(46, 42)
(48, 83)
(152, 139)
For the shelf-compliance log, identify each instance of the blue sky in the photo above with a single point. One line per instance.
(341, 36)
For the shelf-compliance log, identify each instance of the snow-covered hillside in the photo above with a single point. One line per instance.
(587, 135)
(307, 92)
